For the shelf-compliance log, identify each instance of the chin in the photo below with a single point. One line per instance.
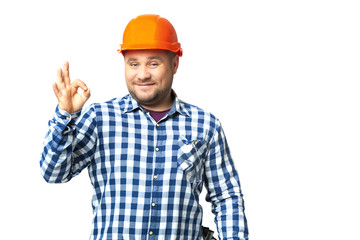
(144, 98)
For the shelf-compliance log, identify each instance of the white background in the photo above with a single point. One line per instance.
(282, 76)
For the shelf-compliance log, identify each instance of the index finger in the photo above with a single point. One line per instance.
(78, 83)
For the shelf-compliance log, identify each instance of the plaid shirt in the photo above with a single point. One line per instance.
(147, 176)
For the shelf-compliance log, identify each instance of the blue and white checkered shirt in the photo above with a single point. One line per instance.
(147, 176)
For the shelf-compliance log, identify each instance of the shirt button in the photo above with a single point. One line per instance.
(151, 233)
(155, 176)
(157, 149)
(157, 124)
(153, 204)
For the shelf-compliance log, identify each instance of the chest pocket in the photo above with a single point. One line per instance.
(191, 157)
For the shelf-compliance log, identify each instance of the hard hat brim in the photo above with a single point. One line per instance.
(174, 47)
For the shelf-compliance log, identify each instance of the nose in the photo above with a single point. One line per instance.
(143, 74)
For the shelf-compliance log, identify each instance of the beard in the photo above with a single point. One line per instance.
(150, 99)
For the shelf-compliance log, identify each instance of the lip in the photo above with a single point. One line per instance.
(145, 84)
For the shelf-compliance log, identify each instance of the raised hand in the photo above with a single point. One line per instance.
(67, 93)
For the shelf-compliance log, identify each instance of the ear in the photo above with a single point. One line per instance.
(175, 63)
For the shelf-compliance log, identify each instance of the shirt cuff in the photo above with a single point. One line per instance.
(62, 114)
(65, 120)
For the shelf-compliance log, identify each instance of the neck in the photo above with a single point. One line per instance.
(163, 105)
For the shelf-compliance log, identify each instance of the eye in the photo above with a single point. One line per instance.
(133, 64)
(154, 64)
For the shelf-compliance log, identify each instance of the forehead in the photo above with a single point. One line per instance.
(146, 54)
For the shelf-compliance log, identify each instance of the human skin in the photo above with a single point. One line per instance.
(67, 92)
(148, 75)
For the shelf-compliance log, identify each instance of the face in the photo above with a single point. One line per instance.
(149, 77)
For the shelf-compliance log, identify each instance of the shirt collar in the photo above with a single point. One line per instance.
(178, 106)
(130, 104)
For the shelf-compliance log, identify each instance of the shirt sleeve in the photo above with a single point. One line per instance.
(224, 191)
(69, 145)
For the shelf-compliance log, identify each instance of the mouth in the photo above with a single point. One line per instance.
(145, 85)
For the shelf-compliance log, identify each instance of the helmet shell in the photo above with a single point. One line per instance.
(150, 31)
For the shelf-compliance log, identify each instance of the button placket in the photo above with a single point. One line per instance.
(153, 212)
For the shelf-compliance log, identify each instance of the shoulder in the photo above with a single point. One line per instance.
(200, 115)
(114, 104)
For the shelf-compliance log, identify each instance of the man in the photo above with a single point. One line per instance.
(148, 154)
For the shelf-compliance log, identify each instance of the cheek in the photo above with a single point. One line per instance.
(129, 76)
(163, 75)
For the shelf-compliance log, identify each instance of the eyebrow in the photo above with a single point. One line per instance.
(131, 60)
(155, 58)
(149, 58)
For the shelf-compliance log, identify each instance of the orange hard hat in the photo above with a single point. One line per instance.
(150, 31)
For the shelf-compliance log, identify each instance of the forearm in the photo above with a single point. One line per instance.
(229, 215)
(69, 145)
(224, 191)
(57, 156)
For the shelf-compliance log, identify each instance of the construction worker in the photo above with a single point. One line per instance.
(148, 153)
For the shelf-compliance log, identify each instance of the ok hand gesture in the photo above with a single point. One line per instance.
(67, 93)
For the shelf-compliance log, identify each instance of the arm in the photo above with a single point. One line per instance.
(224, 191)
(69, 145)
(70, 142)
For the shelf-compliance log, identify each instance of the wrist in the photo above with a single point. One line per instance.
(65, 115)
